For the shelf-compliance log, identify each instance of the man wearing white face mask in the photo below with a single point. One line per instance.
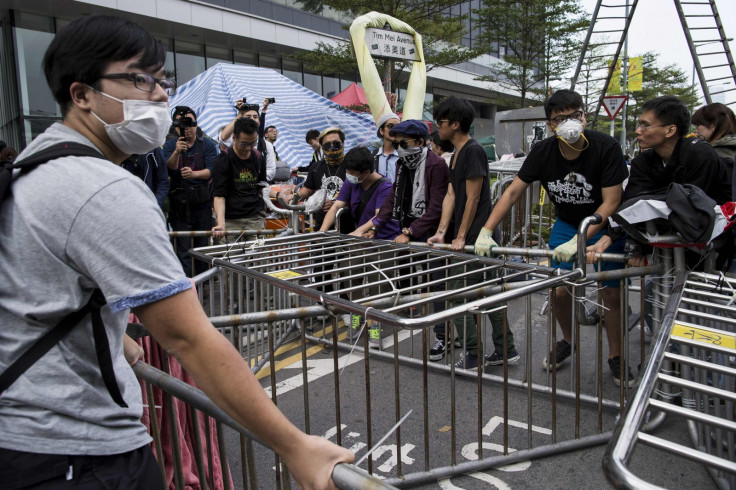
(83, 244)
(583, 172)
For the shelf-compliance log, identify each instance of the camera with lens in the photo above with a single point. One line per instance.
(272, 100)
(184, 123)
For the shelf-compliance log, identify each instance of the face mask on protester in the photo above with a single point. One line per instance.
(570, 131)
(144, 126)
(353, 179)
(411, 156)
(334, 157)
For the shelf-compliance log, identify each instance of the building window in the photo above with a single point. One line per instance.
(243, 58)
(269, 62)
(293, 70)
(189, 61)
(31, 43)
(217, 55)
(313, 82)
(331, 85)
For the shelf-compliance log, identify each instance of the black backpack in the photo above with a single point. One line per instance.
(93, 306)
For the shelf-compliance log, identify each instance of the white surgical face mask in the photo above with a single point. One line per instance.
(353, 179)
(570, 131)
(143, 128)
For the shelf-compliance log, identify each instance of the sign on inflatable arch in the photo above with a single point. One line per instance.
(414, 102)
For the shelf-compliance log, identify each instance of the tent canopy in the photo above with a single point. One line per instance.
(352, 95)
(213, 93)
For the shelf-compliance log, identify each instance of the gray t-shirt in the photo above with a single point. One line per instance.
(72, 225)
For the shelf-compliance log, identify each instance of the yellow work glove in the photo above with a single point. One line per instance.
(485, 242)
(566, 251)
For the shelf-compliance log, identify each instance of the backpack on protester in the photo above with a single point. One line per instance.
(97, 300)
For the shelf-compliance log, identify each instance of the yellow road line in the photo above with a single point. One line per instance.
(294, 344)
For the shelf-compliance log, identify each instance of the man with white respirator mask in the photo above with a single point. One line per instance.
(583, 172)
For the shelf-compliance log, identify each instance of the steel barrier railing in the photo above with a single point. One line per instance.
(322, 276)
(345, 476)
(690, 374)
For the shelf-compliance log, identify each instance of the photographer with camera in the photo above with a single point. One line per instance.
(190, 159)
(250, 111)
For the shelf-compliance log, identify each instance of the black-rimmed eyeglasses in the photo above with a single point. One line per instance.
(577, 115)
(144, 81)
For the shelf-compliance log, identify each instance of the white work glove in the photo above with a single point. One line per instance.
(566, 251)
(485, 242)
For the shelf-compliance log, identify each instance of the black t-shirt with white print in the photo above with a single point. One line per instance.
(574, 186)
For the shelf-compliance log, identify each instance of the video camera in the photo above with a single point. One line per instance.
(184, 122)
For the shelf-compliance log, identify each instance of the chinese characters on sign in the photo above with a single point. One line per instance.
(391, 44)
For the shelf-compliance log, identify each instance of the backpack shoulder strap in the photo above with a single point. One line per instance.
(56, 334)
(27, 164)
(367, 197)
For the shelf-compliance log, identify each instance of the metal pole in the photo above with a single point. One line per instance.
(624, 84)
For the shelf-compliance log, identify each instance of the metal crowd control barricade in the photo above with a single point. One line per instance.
(530, 216)
(690, 377)
(356, 394)
(200, 411)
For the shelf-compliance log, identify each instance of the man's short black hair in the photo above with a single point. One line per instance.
(182, 110)
(268, 128)
(312, 134)
(446, 146)
(456, 109)
(244, 125)
(81, 51)
(669, 110)
(563, 100)
(359, 159)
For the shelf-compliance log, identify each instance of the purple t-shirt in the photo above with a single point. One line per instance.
(353, 193)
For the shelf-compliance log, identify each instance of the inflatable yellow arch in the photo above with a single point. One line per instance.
(374, 92)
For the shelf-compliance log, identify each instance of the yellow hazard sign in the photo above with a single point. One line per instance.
(287, 274)
(707, 336)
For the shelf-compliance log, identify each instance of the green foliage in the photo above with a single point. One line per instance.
(540, 41)
(441, 34)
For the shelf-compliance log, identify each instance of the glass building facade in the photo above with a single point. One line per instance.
(27, 106)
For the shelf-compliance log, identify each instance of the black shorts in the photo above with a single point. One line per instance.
(136, 469)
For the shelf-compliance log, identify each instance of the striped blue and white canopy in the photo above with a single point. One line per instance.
(213, 93)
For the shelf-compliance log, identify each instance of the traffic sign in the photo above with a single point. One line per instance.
(613, 104)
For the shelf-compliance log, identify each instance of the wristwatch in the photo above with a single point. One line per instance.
(406, 231)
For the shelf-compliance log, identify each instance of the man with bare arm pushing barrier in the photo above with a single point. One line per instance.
(72, 419)
(582, 171)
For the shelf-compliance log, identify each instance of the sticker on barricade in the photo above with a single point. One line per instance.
(704, 335)
(287, 274)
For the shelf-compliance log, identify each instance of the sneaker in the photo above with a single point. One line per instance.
(437, 353)
(467, 361)
(346, 319)
(563, 349)
(356, 322)
(374, 337)
(496, 359)
(615, 366)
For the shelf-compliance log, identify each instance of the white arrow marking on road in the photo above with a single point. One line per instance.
(497, 421)
(446, 484)
(393, 460)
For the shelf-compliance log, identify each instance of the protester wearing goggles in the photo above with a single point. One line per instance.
(327, 175)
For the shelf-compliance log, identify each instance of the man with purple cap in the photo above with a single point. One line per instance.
(385, 156)
(420, 185)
